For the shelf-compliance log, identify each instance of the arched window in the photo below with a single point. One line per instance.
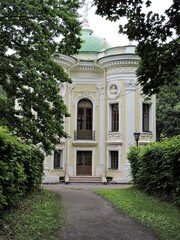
(84, 119)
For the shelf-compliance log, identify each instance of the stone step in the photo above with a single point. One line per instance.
(85, 179)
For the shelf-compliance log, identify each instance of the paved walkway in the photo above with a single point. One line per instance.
(90, 217)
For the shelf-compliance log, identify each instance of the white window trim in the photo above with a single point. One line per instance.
(150, 116)
(117, 148)
(76, 111)
(61, 160)
(110, 116)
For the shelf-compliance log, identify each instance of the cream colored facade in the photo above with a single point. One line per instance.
(106, 83)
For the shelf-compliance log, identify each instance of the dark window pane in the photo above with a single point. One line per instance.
(115, 117)
(114, 159)
(84, 119)
(145, 117)
(57, 159)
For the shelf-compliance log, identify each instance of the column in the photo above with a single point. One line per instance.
(130, 85)
(101, 166)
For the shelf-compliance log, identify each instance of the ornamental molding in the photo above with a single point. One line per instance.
(64, 60)
(100, 88)
(88, 68)
(113, 89)
(119, 60)
(86, 75)
(84, 93)
(120, 69)
(71, 87)
(114, 136)
(130, 84)
(63, 89)
(146, 137)
(126, 62)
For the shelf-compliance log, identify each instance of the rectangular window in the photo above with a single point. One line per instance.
(145, 117)
(57, 159)
(115, 117)
(114, 159)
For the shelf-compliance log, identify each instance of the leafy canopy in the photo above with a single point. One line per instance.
(157, 36)
(168, 111)
(30, 33)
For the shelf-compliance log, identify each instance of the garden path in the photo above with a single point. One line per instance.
(89, 217)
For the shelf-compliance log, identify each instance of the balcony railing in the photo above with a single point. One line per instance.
(84, 135)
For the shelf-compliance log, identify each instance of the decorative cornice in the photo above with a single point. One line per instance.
(88, 68)
(66, 61)
(119, 60)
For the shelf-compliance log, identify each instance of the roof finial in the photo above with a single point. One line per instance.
(85, 22)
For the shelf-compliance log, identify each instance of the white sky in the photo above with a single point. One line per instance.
(109, 30)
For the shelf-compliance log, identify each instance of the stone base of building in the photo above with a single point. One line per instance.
(50, 179)
(121, 180)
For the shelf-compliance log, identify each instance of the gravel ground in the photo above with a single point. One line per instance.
(89, 217)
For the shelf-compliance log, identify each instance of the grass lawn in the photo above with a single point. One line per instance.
(163, 218)
(36, 218)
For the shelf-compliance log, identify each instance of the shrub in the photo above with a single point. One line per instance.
(155, 168)
(133, 156)
(21, 168)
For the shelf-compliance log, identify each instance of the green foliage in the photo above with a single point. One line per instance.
(157, 36)
(156, 168)
(30, 34)
(21, 169)
(133, 156)
(161, 217)
(37, 217)
(168, 111)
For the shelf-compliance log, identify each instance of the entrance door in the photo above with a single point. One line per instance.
(84, 163)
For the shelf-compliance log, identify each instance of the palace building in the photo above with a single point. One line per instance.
(107, 107)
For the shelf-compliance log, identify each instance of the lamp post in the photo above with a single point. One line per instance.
(136, 136)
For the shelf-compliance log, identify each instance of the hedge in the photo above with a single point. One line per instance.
(21, 169)
(155, 168)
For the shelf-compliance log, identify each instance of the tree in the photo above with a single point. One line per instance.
(168, 111)
(31, 31)
(157, 36)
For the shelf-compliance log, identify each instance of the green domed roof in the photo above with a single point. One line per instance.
(92, 42)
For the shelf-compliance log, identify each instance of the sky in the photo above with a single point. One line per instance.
(109, 30)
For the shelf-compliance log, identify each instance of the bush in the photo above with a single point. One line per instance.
(21, 168)
(133, 157)
(155, 168)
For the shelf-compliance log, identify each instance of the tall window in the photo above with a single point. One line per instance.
(114, 160)
(84, 115)
(115, 117)
(84, 120)
(58, 159)
(145, 117)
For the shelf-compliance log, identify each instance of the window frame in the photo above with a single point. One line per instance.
(146, 120)
(60, 165)
(85, 124)
(116, 149)
(114, 117)
(115, 155)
